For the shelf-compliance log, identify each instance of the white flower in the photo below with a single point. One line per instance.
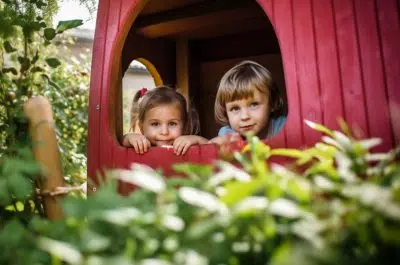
(311, 124)
(202, 199)
(62, 250)
(309, 229)
(143, 177)
(95, 242)
(173, 222)
(228, 172)
(285, 208)
(369, 143)
(377, 157)
(194, 258)
(154, 262)
(332, 142)
(342, 140)
(324, 183)
(121, 216)
(241, 247)
(344, 167)
(374, 196)
(251, 203)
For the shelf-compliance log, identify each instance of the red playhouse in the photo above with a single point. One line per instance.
(334, 58)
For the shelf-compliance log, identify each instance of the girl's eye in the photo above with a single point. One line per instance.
(154, 124)
(254, 104)
(173, 124)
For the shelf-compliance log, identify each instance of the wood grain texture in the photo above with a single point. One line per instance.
(389, 32)
(328, 63)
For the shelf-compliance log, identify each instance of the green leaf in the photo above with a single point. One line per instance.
(12, 234)
(53, 62)
(37, 69)
(40, 4)
(5, 197)
(20, 186)
(237, 191)
(193, 170)
(287, 152)
(49, 33)
(68, 24)
(10, 70)
(8, 47)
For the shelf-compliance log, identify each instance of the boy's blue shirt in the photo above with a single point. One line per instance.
(276, 126)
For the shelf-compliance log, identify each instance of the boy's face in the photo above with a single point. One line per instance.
(162, 124)
(249, 115)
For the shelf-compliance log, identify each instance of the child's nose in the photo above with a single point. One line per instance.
(244, 114)
(164, 129)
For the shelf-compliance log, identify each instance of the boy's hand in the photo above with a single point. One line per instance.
(182, 143)
(228, 138)
(138, 141)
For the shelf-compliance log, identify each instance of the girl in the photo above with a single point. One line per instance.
(163, 120)
(248, 101)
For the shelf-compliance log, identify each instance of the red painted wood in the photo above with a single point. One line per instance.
(108, 140)
(127, 7)
(389, 25)
(267, 5)
(163, 158)
(306, 68)
(280, 139)
(327, 63)
(284, 29)
(340, 58)
(95, 89)
(372, 73)
(350, 68)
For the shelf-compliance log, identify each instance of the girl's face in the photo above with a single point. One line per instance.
(249, 115)
(162, 124)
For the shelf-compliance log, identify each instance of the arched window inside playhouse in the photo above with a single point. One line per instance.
(192, 43)
(140, 73)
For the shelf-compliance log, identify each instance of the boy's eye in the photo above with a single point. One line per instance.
(234, 109)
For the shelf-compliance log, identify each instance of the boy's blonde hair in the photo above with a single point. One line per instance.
(240, 81)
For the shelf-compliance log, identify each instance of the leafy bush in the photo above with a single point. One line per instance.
(335, 203)
(29, 66)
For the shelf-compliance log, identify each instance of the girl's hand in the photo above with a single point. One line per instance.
(138, 141)
(182, 143)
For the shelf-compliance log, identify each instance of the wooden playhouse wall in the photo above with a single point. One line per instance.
(340, 57)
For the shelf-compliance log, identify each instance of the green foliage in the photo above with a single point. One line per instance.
(334, 203)
(29, 66)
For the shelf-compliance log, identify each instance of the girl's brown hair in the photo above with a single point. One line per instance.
(239, 83)
(166, 95)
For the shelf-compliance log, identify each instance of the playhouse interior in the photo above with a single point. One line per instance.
(190, 44)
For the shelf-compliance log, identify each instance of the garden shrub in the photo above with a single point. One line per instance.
(337, 203)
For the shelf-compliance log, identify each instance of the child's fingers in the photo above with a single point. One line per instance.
(185, 148)
(140, 145)
(178, 147)
(135, 146)
(146, 144)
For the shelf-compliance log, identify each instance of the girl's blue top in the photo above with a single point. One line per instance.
(275, 127)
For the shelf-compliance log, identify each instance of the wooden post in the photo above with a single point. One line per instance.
(45, 148)
(182, 68)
